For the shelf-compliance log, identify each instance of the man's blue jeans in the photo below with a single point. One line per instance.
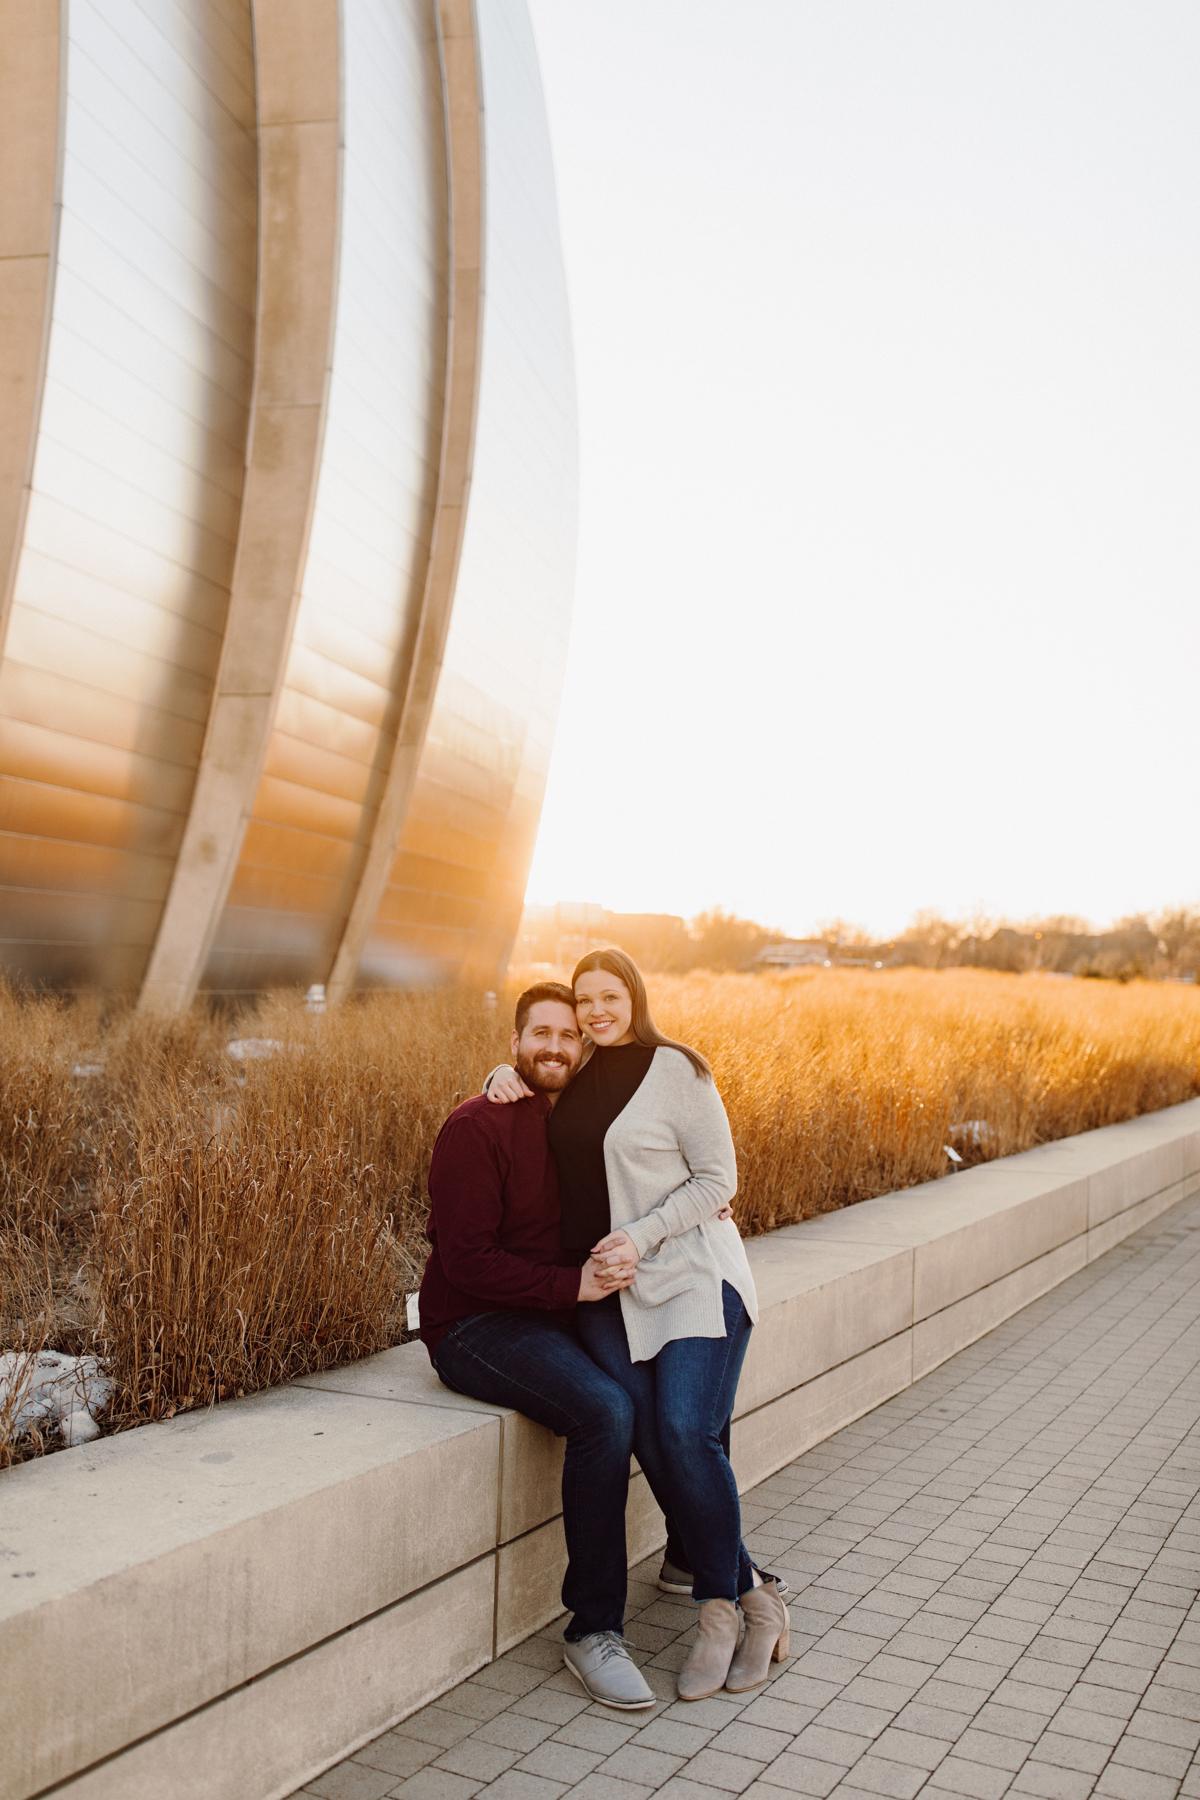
(683, 1399)
(525, 1361)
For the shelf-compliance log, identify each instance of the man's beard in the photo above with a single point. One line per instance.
(551, 1079)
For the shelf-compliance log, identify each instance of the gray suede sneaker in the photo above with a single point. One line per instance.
(601, 1663)
(674, 1580)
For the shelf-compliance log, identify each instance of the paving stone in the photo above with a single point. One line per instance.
(352, 1781)
(1010, 1722)
(513, 1731)
(480, 1702)
(1156, 1759)
(560, 1762)
(477, 1760)
(550, 1704)
(716, 1712)
(510, 1677)
(914, 1748)
(519, 1784)
(717, 1769)
(799, 1775)
(651, 1767)
(606, 1733)
(397, 1756)
(438, 1725)
(835, 1746)
(991, 1748)
(778, 1715)
(1136, 1784)
(961, 1777)
(1094, 1728)
(1051, 1783)
(598, 1786)
(682, 1787)
(678, 1737)
(757, 1741)
(1163, 1730)
(437, 1784)
(855, 1716)
(939, 1722)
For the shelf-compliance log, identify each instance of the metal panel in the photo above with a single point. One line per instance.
(369, 545)
(122, 586)
(473, 814)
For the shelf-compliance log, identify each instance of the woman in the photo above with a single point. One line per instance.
(645, 1166)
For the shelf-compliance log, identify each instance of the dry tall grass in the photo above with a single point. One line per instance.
(210, 1227)
(842, 1084)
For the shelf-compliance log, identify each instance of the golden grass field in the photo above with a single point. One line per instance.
(210, 1227)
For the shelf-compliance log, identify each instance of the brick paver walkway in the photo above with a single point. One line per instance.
(996, 1581)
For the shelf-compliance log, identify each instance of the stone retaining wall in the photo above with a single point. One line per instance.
(217, 1607)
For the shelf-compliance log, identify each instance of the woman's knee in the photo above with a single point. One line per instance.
(607, 1416)
(686, 1439)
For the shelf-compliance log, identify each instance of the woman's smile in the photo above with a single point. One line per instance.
(604, 1007)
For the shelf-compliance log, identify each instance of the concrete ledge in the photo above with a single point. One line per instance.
(245, 1596)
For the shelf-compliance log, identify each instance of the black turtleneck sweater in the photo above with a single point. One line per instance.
(582, 1114)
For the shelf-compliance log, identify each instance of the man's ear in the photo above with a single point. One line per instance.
(514, 1044)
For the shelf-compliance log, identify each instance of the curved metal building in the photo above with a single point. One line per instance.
(287, 489)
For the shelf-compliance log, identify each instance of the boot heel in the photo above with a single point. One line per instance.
(781, 1645)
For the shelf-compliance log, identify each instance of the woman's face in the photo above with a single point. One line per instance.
(604, 1007)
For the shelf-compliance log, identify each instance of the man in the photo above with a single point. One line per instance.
(497, 1309)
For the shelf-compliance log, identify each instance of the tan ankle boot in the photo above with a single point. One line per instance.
(765, 1639)
(707, 1665)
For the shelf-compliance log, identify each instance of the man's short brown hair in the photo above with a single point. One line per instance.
(542, 990)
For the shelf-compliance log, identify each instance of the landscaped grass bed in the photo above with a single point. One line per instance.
(209, 1225)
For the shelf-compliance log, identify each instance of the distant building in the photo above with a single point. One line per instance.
(563, 933)
(793, 953)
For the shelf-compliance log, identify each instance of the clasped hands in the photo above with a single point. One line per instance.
(611, 1266)
(612, 1263)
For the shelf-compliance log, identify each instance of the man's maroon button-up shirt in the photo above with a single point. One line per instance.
(493, 1217)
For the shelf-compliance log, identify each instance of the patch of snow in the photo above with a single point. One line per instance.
(54, 1392)
(87, 1071)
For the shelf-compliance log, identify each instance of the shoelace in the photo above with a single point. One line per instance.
(611, 1644)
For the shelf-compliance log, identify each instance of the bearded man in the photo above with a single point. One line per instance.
(497, 1313)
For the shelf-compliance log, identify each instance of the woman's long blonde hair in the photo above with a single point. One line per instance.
(615, 962)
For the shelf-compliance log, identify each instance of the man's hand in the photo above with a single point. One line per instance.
(596, 1282)
(506, 1085)
(617, 1255)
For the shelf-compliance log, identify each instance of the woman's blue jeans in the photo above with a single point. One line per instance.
(682, 1400)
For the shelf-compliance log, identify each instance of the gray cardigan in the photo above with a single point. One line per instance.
(671, 1167)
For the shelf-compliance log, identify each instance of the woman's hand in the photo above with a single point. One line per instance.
(506, 1085)
(596, 1282)
(617, 1256)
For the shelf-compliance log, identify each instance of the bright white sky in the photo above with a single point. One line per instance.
(887, 326)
